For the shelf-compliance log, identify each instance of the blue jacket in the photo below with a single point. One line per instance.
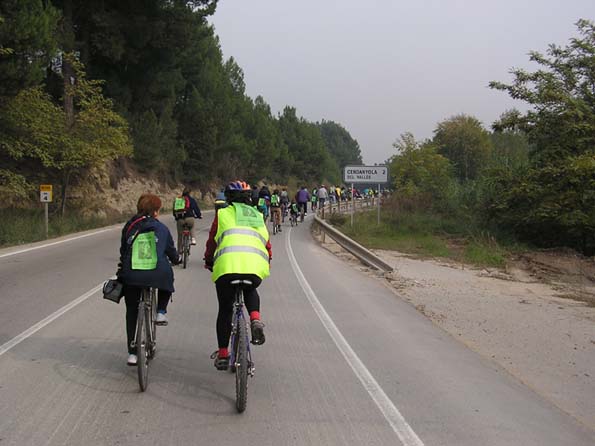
(162, 277)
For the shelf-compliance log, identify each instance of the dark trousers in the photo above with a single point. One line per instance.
(132, 297)
(225, 296)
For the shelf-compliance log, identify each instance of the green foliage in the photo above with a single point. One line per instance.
(464, 141)
(27, 42)
(421, 177)
(552, 200)
(344, 149)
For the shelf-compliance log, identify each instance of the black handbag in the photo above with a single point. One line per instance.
(113, 290)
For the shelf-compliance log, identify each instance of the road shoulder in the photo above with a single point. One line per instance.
(543, 339)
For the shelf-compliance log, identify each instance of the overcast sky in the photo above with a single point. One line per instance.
(384, 67)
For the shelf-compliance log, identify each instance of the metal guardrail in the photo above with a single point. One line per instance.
(362, 253)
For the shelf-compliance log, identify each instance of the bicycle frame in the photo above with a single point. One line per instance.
(148, 308)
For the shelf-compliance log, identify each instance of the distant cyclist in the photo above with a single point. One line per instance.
(276, 209)
(302, 197)
(238, 247)
(185, 210)
(220, 201)
(284, 203)
(152, 269)
(264, 201)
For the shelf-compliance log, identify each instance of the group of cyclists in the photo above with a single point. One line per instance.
(238, 247)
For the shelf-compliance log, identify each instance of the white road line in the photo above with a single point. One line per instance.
(52, 317)
(33, 248)
(403, 430)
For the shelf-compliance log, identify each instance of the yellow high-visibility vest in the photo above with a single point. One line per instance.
(241, 242)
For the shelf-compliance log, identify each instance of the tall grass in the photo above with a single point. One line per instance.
(28, 225)
(427, 234)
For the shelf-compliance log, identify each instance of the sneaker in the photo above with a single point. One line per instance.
(257, 328)
(193, 242)
(132, 360)
(220, 363)
(161, 319)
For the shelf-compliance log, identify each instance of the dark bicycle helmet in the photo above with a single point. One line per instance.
(238, 185)
(237, 191)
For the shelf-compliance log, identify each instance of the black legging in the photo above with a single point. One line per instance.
(225, 296)
(131, 297)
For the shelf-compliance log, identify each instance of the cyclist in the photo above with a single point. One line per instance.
(276, 209)
(284, 203)
(294, 210)
(220, 201)
(302, 197)
(264, 201)
(185, 210)
(238, 247)
(322, 196)
(137, 271)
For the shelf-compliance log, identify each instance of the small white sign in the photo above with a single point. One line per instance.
(45, 193)
(365, 174)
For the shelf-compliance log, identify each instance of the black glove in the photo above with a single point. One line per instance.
(178, 260)
(208, 264)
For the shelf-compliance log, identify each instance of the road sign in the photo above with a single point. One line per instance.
(365, 174)
(45, 193)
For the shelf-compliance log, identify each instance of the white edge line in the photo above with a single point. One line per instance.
(52, 317)
(56, 243)
(398, 423)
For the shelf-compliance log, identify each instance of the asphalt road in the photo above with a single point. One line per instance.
(346, 362)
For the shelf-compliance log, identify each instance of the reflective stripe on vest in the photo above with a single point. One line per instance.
(249, 249)
(242, 231)
(241, 248)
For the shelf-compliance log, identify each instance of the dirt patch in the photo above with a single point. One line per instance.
(535, 317)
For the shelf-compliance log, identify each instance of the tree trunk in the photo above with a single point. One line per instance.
(65, 184)
(67, 71)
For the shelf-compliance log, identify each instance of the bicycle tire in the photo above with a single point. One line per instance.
(141, 348)
(185, 252)
(242, 366)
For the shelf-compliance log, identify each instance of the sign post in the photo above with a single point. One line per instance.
(352, 204)
(365, 174)
(45, 196)
(379, 204)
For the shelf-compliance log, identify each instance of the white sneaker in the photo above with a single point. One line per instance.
(193, 241)
(132, 360)
(161, 319)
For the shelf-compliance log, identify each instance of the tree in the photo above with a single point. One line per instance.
(561, 121)
(343, 148)
(551, 201)
(27, 43)
(419, 173)
(34, 128)
(464, 141)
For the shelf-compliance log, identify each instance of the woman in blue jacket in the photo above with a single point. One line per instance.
(161, 276)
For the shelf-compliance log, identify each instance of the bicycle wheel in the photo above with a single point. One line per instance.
(142, 341)
(242, 365)
(185, 252)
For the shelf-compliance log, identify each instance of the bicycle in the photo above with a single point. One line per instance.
(275, 219)
(284, 205)
(293, 219)
(240, 359)
(185, 245)
(302, 211)
(145, 339)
